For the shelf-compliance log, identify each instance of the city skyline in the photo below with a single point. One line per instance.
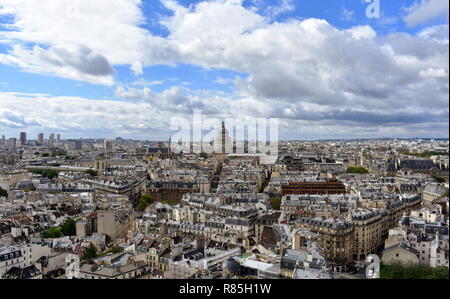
(230, 147)
(326, 70)
(45, 138)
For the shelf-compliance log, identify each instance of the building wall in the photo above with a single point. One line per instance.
(399, 255)
(368, 237)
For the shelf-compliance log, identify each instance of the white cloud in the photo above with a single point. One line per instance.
(362, 32)
(308, 61)
(137, 68)
(434, 73)
(83, 117)
(148, 117)
(347, 15)
(108, 28)
(142, 82)
(283, 7)
(305, 71)
(77, 63)
(426, 10)
(224, 81)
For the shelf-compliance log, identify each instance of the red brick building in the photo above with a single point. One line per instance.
(326, 187)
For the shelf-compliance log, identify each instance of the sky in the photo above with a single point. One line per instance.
(325, 69)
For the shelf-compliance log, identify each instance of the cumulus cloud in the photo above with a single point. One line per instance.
(426, 10)
(77, 63)
(83, 117)
(13, 119)
(146, 118)
(303, 61)
(137, 68)
(306, 72)
(107, 32)
(347, 14)
(175, 99)
(283, 6)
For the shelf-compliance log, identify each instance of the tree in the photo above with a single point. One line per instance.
(440, 273)
(263, 186)
(439, 179)
(425, 154)
(275, 202)
(145, 201)
(412, 271)
(116, 249)
(63, 208)
(170, 202)
(51, 174)
(357, 169)
(52, 233)
(90, 252)
(3, 192)
(92, 172)
(141, 206)
(68, 228)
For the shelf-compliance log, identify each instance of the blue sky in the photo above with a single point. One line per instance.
(161, 56)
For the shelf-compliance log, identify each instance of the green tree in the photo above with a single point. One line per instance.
(357, 169)
(116, 249)
(275, 203)
(170, 202)
(92, 172)
(264, 185)
(3, 192)
(141, 206)
(440, 273)
(412, 271)
(51, 233)
(68, 228)
(439, 179)
(425, 154)
(145, 201)
(63, 208)
(89, 253)
(51, 174)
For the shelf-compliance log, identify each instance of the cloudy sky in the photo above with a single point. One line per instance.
(109, 68)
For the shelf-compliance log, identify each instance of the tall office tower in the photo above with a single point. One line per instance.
(108, 144)
(58, 139)
(40, 138)
(78, 144)
(3, 141)
(23, 138)
(12, 142)
(51, 140)
(223, 143)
